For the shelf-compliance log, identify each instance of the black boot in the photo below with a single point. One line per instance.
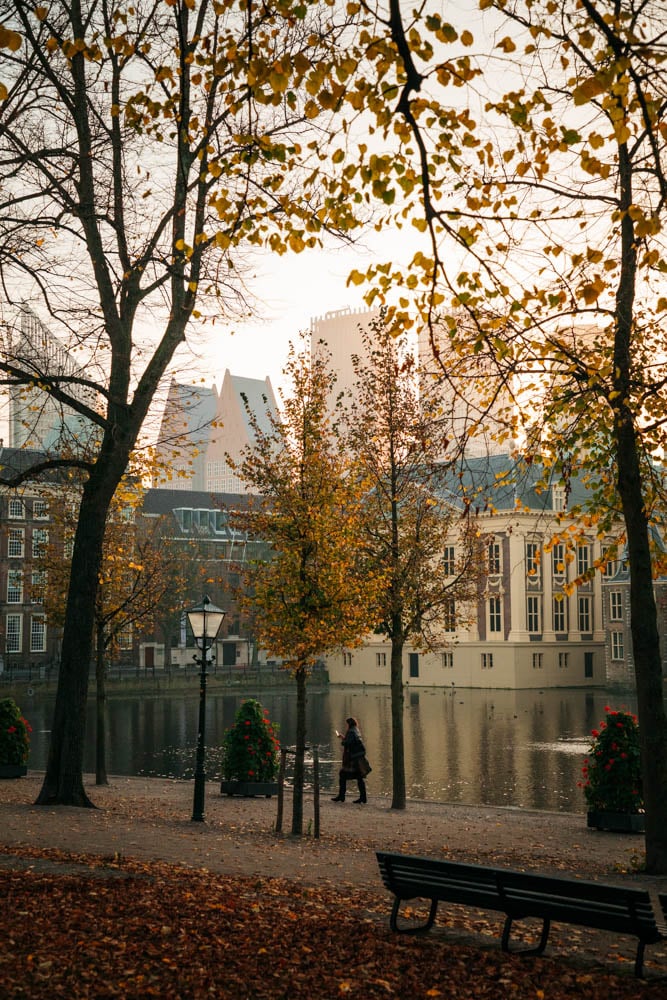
(338, 798)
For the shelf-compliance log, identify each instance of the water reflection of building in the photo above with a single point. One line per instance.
(514, 748)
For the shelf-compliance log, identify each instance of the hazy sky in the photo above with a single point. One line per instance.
(291, 290)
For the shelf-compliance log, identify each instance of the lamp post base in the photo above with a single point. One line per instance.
(198, 801)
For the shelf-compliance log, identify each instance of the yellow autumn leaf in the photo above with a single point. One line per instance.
(9, 39)
(587, 90)
(507, 45)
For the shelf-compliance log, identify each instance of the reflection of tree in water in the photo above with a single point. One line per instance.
(479, 747)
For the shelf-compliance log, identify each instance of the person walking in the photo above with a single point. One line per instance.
(355, 766)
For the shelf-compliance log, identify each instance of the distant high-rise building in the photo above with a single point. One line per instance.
(340, 333)
(36, 419)
(202, 429)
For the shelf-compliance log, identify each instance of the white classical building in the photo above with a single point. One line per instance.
(531, 627)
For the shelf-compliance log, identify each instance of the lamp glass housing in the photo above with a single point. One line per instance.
(205, 620)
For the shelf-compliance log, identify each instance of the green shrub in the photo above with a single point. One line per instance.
(250, 747)
(14, 733)
(612, 771)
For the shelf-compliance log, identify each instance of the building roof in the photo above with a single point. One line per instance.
(503, 483)
(163, 501)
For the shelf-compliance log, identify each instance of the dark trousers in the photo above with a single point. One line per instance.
(344, 776)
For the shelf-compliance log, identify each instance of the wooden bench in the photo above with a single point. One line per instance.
(620, 909)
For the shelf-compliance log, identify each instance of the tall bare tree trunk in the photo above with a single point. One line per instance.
(643, 612)
(299, 762)
(63, 781)
(398, 800)
(100, 714)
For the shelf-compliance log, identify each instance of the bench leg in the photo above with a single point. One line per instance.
(507, 929)
(422, 928)
(639, 960)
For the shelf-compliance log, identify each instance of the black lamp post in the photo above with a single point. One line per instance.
(205, 621)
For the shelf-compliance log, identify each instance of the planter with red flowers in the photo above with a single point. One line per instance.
(250, 753)
(612, 777)
(14, 740)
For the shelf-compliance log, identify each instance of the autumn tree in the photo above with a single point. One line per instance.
(316, 592)
(411, 518)
(533, 158)
(142, 147)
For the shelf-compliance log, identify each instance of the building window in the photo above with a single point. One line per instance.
(448, 660)
(38, 586)
(347, 659)
(449, 561)
(14, 586)
(560, 613)
(585, 614)
(583, 559)
(125, 637)
(13, 633)
(617, 647)
(449, 615)
(610, 564)
(495, 619)
(558, 564)
(558, 498)
(533, 560)
(563, 661)
(537, 661)
(40, 510)
(487, 661)
(16, 543)
(616, 606)
(38, 635)
(40, 541)
(533, 614)
(494, 558)
(16, 509)
(380, 659)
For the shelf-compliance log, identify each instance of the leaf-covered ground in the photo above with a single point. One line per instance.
(76, 926)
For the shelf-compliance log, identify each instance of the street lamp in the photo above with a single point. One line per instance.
(205, 621)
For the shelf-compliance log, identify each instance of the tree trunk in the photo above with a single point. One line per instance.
(297, 801)
(646, 652)
(398, 800)
(100, 706)
(63, 780)
(643, 612)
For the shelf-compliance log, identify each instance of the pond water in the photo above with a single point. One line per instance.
(511, 748)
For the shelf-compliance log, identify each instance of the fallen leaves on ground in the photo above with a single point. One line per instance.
(75, 926)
